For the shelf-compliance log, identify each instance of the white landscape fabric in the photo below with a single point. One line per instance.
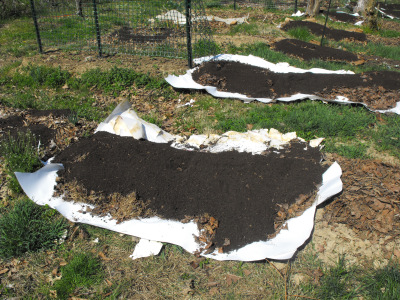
(39, 186)
(186, 81)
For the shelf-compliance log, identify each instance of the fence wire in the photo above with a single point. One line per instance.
(140, 27)
(269, 4)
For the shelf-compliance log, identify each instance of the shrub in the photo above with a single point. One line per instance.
(28, 228)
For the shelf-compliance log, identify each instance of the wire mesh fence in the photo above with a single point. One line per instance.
(269, 4)
(175, 29)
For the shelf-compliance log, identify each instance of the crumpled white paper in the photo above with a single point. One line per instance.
(186, 81)
(39, 186)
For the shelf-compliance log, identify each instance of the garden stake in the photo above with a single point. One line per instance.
(96, 23)
(39, 41)
(326, 20)
(188, 33)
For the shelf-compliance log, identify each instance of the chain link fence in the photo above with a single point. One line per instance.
(175, 29)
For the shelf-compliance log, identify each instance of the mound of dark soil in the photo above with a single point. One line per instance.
(308, 51)
(261, 83)
(318, 29)
(342, 17)
(243, 192)
(391, 9)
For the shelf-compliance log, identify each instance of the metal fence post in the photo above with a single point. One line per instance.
(39, 41)
(295, 6)
(326, 20)
(234, 4)
(188, 4)
(96, 22)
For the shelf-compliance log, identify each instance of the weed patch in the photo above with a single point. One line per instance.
(28, 228)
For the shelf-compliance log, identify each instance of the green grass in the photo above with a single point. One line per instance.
(391, 52)
(387, 135)
(83, 271)
(309, 119)
(349, 149)
(249, 29)
(20, 154)
(17, 37)
(301, 33)
(40, 76)
(117, 79)
(28, 228)
(345, 281)
(383, 283)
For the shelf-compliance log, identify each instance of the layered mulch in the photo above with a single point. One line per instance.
(261, 83)
(317, 29)
(309, 51)
(242, 197)
(370, 202)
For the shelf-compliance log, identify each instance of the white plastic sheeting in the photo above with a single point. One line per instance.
(39, 186)
(186, 81)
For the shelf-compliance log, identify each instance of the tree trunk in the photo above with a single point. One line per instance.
(366, 8)
(79, 11)
(313, 7)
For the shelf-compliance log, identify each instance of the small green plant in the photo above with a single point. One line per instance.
(28, 227)
(20, 155)
(83, 271)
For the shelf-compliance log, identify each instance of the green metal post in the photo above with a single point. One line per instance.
(39, 41)
(96, 23)
(188, 32)
(326, 20)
